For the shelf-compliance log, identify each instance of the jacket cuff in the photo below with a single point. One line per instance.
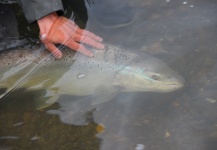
(37, 9)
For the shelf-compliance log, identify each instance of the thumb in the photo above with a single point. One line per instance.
(54, 50)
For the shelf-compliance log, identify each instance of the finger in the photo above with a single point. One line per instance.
(54, 50)
(72, 26)
(89, 34)
(87, 40)
(80, 48)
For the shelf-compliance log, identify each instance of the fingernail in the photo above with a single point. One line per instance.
(58, 55)
(99, 39)
(91, 55)
(101, 46)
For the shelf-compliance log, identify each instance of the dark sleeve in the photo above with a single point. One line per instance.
(36, 9)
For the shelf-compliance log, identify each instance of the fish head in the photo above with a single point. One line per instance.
(149, 74)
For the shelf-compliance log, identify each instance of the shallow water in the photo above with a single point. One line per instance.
(181, 33)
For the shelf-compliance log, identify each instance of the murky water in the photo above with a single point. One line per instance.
(181, 33)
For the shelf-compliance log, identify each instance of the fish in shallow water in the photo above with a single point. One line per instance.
(109, 72)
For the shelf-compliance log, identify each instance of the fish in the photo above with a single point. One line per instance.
(112, 70)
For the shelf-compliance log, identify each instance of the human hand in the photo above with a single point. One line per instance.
(56, 29)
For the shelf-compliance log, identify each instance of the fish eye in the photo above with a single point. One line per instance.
(155, 77)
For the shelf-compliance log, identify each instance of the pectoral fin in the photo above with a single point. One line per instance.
(104, 96)
(50, 98)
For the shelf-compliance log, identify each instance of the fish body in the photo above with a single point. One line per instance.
(110, 71)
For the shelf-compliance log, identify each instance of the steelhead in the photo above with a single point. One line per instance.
(110, 71)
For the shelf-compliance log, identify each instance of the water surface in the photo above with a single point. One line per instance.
(181, 33)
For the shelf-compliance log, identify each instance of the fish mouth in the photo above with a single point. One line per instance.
(162, 88)
(172, 87)
(169, 87)
(177, 84)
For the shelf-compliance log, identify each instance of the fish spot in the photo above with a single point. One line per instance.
(20, 55)
(80, 75)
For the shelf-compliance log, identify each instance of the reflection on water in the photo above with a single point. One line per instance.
(183, 34)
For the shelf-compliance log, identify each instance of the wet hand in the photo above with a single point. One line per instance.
(56, 29)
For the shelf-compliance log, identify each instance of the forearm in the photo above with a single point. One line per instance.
(37, 9)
